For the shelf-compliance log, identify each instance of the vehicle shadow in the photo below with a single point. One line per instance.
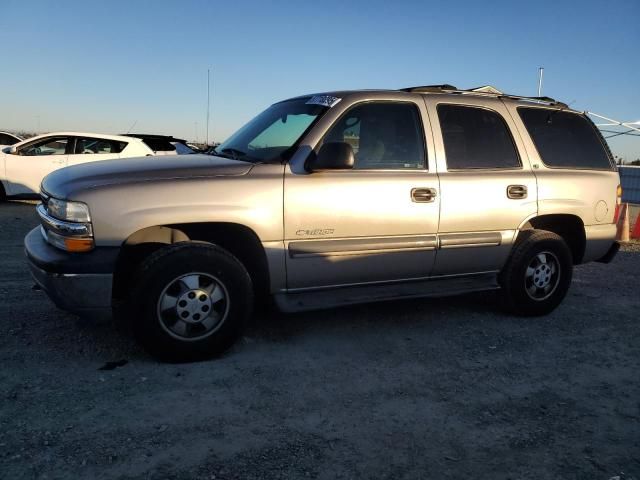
(272, 325)
(104, 340)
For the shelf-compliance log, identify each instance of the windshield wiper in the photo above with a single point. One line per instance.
(233, 153)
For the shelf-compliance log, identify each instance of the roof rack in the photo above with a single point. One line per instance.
(431, 88)
(547, 100)
(486, 90)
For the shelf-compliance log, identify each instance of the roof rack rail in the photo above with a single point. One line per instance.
(431, 88)
(487, 90)
(549, 100)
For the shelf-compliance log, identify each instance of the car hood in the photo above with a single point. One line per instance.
(66, 181)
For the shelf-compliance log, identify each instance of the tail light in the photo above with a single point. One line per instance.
(618, 203)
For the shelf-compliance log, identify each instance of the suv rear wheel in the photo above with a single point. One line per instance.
(190, 301)
(537, 275)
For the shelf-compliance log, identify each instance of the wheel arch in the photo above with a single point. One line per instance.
(3, 191)
(569, 227)
(240, 240)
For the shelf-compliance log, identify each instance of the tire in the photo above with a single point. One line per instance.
(189, 301)
(3, 193)
(538, 273)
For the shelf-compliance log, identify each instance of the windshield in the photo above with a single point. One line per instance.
(271, 135)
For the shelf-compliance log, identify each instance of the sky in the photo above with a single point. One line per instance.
(106, 66)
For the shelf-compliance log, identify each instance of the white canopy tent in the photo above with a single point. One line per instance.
(632, 127)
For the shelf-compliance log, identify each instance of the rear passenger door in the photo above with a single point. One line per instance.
(487, 187)
(89, 149)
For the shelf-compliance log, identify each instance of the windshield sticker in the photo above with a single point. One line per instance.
(324, 100)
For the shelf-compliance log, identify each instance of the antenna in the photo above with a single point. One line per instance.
(132, 125)
(540, 73)
(208, 104)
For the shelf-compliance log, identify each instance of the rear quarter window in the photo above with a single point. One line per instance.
(565, 139)
(159, 144)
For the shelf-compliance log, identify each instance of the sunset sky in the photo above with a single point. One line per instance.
(101, 66)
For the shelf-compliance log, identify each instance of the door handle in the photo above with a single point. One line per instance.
(423, 195)
(517, 191)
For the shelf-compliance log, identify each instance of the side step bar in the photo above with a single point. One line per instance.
(351, 295)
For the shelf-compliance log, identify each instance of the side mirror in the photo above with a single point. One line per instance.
(332, 156)
(12, 150)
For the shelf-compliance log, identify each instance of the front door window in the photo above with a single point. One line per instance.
(383, 135)
(47, 146)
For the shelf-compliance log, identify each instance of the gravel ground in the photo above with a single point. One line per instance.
(445, 388)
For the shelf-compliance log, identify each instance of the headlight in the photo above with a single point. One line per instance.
(66, 225)
(68, 211)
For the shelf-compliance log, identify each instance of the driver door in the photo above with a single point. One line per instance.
(33, 161)
(376, 222)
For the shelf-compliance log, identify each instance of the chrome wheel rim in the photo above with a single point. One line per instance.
(542, 276)
(193, 306)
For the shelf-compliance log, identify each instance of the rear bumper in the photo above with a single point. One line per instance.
(80, 283)
(610, 255)
(600, 240)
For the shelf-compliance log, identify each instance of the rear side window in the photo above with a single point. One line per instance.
(86, 145)
(476, 138)
(565, 139)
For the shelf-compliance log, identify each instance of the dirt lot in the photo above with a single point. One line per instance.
(419, 389)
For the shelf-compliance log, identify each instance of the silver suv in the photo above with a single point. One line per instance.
(333, 199)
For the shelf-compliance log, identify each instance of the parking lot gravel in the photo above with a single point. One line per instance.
(446, 388)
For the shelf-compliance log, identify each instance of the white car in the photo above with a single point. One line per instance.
(24, 164)
(8, 139)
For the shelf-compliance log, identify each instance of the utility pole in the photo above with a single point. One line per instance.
(208, 104)
(540, 73)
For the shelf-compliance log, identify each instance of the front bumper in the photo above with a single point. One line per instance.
(80, 283)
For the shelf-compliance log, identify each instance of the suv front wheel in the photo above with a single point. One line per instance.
(190, 301)
(538, 273)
